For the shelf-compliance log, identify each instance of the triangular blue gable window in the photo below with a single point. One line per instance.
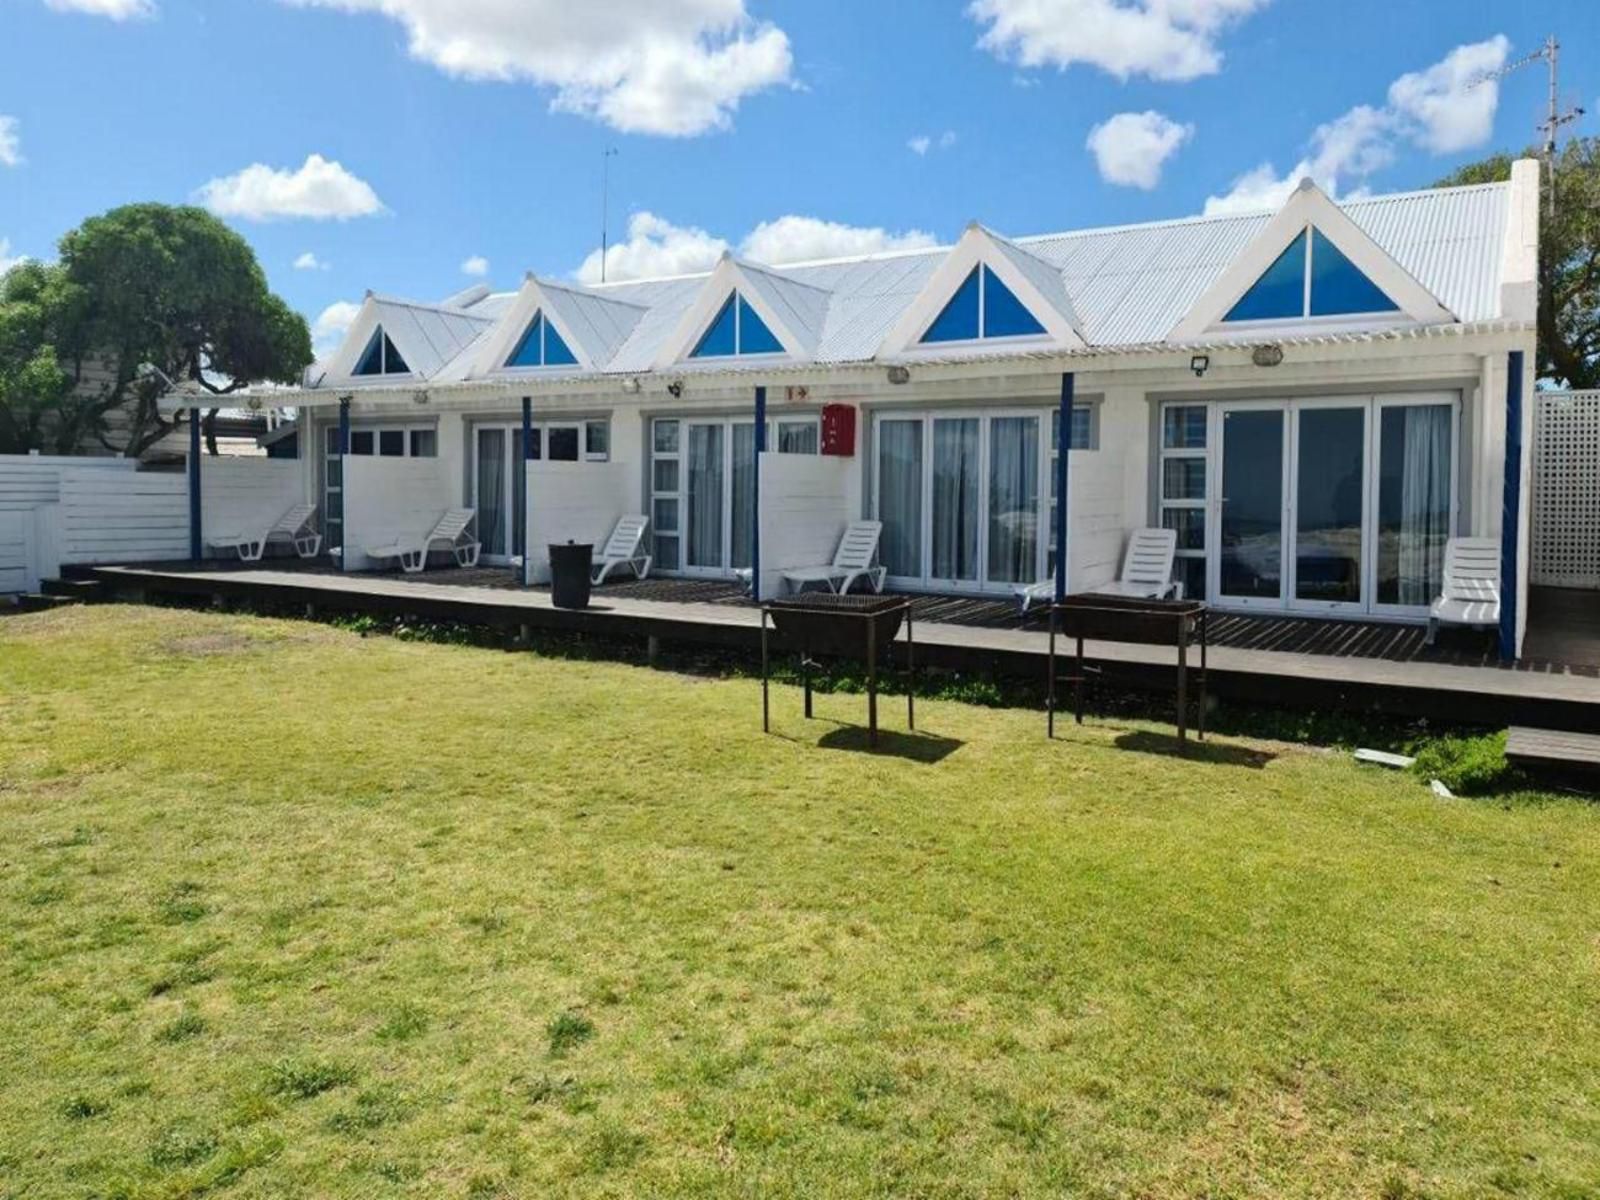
(380, 357)
(737, 329)
(541, 346)
(1312, 278)
(982, 307)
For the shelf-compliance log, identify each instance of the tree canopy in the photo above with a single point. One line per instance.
(1569, 259)
(146, 285)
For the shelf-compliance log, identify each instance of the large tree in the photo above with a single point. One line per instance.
(143, 286)
(1569, 259)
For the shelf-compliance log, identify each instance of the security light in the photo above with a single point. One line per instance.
(1199, 363)
(675, 388)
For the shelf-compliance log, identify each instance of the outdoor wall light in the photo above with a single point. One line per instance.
(632, 387)
(899, 374)
(675, 389)
(420, 396)
(1267, 356)
(1199, 363)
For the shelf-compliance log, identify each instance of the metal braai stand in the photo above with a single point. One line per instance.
(1176, 623)
(861, 627)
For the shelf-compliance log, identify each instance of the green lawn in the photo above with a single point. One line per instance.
(288, 912)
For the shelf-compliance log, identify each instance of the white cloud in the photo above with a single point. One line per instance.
(923, 142)
(1130, 148)
(328, 330)
(7, 259)
(309, 262)
(671, 67)
(1172, 40)
(10, 142)
(477, 266)
(801, 239)
(656, 247)
(1432, 108)
(1450, 113)
(117, 10)
(319, 191)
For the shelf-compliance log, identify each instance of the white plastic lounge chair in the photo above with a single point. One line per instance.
(295, 527)
(1146, 571)
(451, 531)
(852, 561)
(1470, 594)
(625, 549)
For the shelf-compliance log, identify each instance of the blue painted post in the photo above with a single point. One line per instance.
(1063, 450)
(344, 481)
(196, 543)
(1511, 510)
(522, 492)
(755, 484)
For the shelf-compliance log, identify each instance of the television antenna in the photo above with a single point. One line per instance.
(606, 156)
(1555, 118)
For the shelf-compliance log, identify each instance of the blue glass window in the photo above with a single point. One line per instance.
(738, 329)
(541, 346)
(958, 321)
(721, 340)
(1003, 313)
(754, 336)
(1338, 286)
(1280, 292)
(380, 357)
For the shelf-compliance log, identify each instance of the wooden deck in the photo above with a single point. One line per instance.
(1297, 662)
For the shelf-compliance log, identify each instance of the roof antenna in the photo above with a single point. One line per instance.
(1550, 54)
(606, 156)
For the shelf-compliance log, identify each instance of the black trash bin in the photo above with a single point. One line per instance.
(570, 568)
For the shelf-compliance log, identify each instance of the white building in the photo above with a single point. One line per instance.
(1315, 399)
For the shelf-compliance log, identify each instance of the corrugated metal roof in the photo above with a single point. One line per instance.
(1125, 286)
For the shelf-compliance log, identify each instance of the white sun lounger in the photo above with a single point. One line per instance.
(449, 534)
(1146, 571)
(852, 561)
(625, 549)
(295, 527)
(1470, 594)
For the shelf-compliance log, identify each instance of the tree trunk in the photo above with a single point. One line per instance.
(209, 427)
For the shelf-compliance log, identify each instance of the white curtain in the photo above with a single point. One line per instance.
(956, 471)
(1013, 499)
(900, 496)
(744, 494)
(491, 490)
(1424, 502)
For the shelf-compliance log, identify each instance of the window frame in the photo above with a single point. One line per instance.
(983, 270)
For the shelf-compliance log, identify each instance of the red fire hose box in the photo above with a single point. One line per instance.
(839, 430)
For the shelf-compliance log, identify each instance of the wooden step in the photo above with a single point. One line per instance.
(77, 589)
(1553, 747)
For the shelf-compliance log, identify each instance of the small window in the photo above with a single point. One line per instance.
(1312, 278)
(666, 474)
(597, 440)
(392, 443)
(424, 443)
(333, 439)
(737, 329)
(541, 346)
(982, 307)
(666, 437)
(361, 441)
(1183, 427)
(1085, 428)
(797, 437)
(381, 357)
(563, 443)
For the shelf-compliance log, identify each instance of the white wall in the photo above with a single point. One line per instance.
(386, 499)
(243, 496)
(806, 501)
(1107, 490)
(577, 502)
(30, 497)
(122, 517)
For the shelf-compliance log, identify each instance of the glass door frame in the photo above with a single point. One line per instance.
(1218, 439)
(510, 457)
(1368, 558)
(1375, 478)
(982, 585)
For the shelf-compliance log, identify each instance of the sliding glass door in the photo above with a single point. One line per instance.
(960, 499)
(1320, 505)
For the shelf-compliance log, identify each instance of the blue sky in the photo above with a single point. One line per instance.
(453, 130)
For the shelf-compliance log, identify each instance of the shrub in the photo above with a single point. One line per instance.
(1468, 766)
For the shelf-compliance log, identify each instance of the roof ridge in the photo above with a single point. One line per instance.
(429, 307)
(579, 289)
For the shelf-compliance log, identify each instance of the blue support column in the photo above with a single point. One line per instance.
(1063, 452)
(755, 484)
(523, 547)
(1511, 510)
(196, 542)
(344, 481)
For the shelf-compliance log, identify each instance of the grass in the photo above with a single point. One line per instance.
(289, 912)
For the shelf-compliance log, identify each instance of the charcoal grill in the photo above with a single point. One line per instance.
(1177, 623)
(859, 627)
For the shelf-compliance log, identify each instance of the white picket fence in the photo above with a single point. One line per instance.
(56, 512)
